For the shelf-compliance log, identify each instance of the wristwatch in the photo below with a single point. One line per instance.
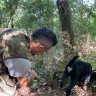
(30, 76)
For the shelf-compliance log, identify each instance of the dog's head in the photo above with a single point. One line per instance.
(67, 71)
(68, 67)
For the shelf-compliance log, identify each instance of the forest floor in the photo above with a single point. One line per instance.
(54, 90)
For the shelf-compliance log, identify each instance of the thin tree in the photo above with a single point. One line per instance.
(66, 26)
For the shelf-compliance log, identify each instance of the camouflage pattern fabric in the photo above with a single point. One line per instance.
(7, 86)
(13, 44)
(26, 91)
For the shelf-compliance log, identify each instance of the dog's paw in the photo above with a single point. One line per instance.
(61, 84)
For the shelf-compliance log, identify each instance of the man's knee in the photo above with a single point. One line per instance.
(7, 86)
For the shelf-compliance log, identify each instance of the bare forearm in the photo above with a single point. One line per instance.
(23, 81)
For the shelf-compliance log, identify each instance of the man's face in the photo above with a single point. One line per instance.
(38, 48)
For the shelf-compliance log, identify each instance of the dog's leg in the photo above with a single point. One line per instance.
(63, 80)
(85, 88)
(85, 85)
(71, 85)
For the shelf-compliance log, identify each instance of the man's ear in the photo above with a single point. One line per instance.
(41, 46)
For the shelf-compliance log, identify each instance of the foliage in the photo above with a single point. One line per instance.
(30, 15)
(86, 47)
(84, 17)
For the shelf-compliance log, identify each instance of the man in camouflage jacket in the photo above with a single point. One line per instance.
(15, 49)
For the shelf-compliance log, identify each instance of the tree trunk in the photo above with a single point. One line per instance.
(67, 28)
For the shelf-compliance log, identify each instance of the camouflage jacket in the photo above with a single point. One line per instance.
(13, 43)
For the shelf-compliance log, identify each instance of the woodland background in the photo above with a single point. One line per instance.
(73, 21)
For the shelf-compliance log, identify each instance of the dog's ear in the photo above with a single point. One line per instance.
(73, 60)
(75, 57)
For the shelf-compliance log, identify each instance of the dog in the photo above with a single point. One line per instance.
(78, 71)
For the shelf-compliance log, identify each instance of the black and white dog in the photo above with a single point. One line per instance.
(77, 71)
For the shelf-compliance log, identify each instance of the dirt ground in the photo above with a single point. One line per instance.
(49, 90)
(54, 90)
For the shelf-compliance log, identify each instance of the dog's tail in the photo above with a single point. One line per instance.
(73, 60)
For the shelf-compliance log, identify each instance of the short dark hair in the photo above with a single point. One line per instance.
(44, 35)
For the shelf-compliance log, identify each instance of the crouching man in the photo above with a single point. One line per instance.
(15, 49)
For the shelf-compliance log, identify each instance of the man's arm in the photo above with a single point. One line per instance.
(24, 81)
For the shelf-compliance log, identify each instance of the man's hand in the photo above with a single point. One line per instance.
(33, 74)
(23, 81)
